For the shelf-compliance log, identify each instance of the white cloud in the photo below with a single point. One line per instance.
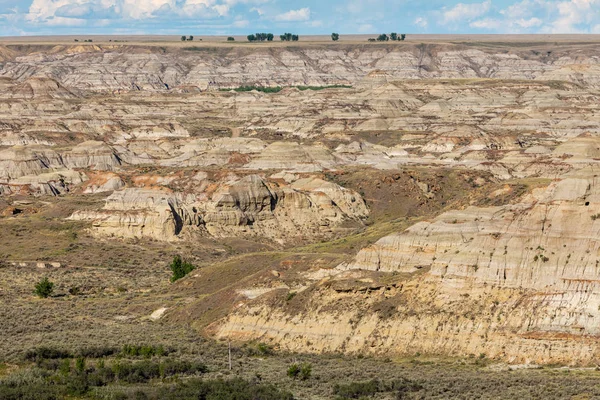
(62, 11)
(462, 11)
(421, 22)
(553, 16)
(242, 23)
(572, 14)
(366, 28)
(302, 14)
(487, 23)
(529, 23)
(521, 9)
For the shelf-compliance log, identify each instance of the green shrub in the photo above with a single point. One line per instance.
(264, 349)
(259, 349)
(97, 352)
(305, 371)
(290, 296)
(45, 353)
(301, 371)
(77, 384)
(146, 351)
(237, 389)
(44, 288)
(171, 367)
(80, 364)
(293, 371)
(180, 268)
(356, 390)
(249, 88)
(231, 39)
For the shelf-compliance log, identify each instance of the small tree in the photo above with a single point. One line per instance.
(190, 38)
(251, 38)
(403, 36)
(230, 39)
(383, 38)
(270, 37)
(180, 268)
(335, 37)
(44, 288)
(393, 36)
(288, 37)
(183, 39)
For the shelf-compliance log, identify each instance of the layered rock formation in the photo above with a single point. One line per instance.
(114, 67)
(511, 273)
(240, 207)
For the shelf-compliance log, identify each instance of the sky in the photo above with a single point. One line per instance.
(304, 17)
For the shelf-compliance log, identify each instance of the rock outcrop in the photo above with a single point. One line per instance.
(244, 207)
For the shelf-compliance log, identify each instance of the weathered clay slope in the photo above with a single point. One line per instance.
(518, 281)
(112, 67)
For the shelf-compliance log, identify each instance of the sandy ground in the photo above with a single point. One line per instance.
(200, 40)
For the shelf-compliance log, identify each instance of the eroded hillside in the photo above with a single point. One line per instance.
(443, 201)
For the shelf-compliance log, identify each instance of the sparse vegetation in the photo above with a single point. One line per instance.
(277, 89)
(46, 353)
(236, 388)
(290, 296)
(146, 351)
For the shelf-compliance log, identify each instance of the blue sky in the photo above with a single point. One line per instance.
(204, 17)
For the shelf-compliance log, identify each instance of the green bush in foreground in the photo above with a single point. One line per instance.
(145, 351)
(46, 353)
(44, 288)
(234, 389)
(359, 390)
(180, 268)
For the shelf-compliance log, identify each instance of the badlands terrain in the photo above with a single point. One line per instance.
(435, 197)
